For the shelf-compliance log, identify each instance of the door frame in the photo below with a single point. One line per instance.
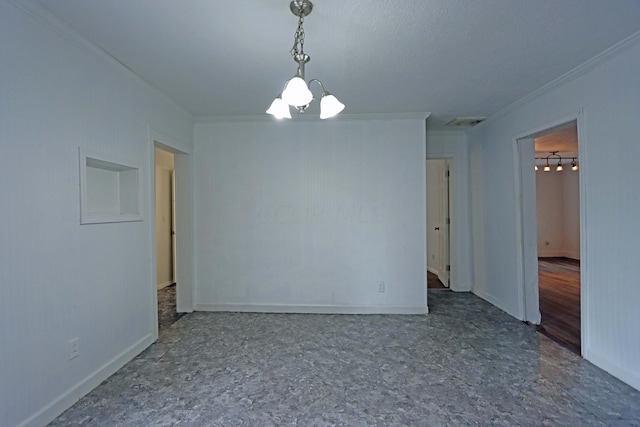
(183, 272)
(526, 224)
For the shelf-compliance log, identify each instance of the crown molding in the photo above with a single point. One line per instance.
(68, 33)
(265, 118)
(578, 71)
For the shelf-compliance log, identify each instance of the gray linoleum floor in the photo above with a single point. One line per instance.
(466, 363)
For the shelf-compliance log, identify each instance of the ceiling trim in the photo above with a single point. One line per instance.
(569, 76)
(311, 118)
(61, 28)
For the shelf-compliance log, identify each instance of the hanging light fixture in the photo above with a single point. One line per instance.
(296, 91)
(559, 166)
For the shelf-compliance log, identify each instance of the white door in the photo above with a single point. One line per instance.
(173, 226)
(444, 221)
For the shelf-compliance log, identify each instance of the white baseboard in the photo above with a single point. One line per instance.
(433, 270)
(498, 303)
(57, 406)
(623, 374)
(314, 309)
(559, 254)
(165, 284)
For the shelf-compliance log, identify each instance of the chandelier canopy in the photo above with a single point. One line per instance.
(296, 92)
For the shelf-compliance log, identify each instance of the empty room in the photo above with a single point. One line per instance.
(217, 213)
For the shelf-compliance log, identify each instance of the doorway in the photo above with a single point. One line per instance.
(181, 264)
(558, 228)
(438, 223)
(550, 236)
(165, 238)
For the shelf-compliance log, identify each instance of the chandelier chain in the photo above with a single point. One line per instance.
(298, 40)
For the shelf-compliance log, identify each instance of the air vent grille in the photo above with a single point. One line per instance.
(466, 121)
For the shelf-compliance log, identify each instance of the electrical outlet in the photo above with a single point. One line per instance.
(381, 286)
(74, 348)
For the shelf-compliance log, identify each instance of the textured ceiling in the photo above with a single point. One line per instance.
(448, 57)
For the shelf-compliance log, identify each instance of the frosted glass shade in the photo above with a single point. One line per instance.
(279, 109)
(297, 93)
(330, 106)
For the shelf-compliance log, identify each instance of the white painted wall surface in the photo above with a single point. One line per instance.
(309, 215)
(608, 91)
(453, 145)
(62, 280)
(571, 207)
(558, 213)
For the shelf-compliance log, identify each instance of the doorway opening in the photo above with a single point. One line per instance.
(550, 236)
(438, 223)
(558, 227)
(165, 238)
(173, 265)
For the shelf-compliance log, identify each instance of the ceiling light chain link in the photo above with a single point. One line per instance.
(298, 38)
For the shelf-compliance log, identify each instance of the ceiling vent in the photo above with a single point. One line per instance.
(465, 121)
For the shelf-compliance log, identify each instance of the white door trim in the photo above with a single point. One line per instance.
(525, 282)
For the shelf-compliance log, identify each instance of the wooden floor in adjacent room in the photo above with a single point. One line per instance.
(433, 282)
(559, 286)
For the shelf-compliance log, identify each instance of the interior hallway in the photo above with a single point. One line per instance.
(466, 363)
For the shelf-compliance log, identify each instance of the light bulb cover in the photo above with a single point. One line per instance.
(330, 106)
(559, 168)
(297, 93)
(279, 109)
(547, 168)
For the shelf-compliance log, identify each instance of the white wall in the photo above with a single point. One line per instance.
(308, 215)
(571, 210)
(453, 145)
(608, 91)
(558, 213)
(62, 280)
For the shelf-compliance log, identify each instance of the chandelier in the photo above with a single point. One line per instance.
(296, 91)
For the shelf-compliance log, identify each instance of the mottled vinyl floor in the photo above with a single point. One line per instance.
(167, 314)
(465, 363)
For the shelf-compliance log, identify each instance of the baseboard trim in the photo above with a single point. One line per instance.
(165, 284)
(57, 406)
(433, 270)
(313, 309)
(623, 374)
(558, 254)
(498, 303)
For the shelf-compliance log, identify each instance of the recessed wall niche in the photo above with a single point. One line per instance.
(109, 190)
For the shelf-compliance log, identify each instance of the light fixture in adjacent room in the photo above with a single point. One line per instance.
(559, 166)
(296, 91)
